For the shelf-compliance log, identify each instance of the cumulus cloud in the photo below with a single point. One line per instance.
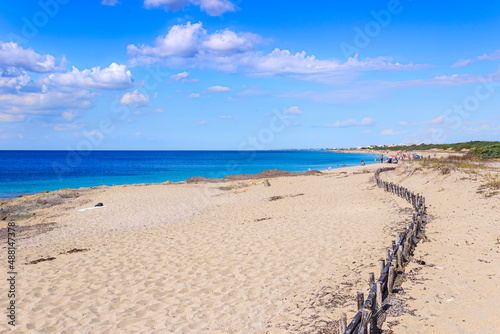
(219, 89)
(158, 111)
(113, 77)
(367, 121)
(211, 7)
(293, 111)
(13, 81)
(179, 76)
(185, 41)
(53, 89)
(225, 117)
(387, 132)
(462, 63)
(193, 96)
(190, 45)
(134, 99)
(13, 55)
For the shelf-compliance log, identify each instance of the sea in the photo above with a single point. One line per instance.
(28, 172)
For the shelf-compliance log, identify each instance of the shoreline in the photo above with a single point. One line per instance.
(6, 197)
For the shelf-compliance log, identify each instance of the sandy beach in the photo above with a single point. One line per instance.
(243, 257)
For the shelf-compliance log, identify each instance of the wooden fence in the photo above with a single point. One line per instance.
(365, 321)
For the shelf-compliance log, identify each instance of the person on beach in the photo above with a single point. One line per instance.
(343, 165)
(362, 163)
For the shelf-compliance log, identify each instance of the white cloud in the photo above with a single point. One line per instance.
(367, 121)
(178, 76)
(109, 2)
(437, 120)
(190, 45)
(14, 55)
(202, 122)
(403, 123)
(193, 96)
(293, 111)
(184, 41)
(211, 7)
(387, 132)
(462, 62)
(114, 77)
(68, 115)
(446, 80)
(9, 81)
(158, 111)
(45, 103)
(492, 56)
(227, 42)
(180, 41)
(225, 117)
(6, 118)
(134, 99)
(219, 89)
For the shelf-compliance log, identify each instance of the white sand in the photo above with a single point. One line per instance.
(192, 258)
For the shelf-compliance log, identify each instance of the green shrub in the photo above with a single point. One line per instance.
(490, 151)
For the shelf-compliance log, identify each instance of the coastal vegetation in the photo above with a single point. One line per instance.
(482, 149)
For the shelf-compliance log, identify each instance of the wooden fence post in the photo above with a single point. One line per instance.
(343, 324)
(361, 300)
(390, 279)
(379, 295)
(371, 279)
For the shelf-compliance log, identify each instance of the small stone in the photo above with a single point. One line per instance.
(99, 204)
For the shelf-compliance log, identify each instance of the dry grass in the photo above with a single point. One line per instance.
(467, 163)
(492, 181)
(492, 185)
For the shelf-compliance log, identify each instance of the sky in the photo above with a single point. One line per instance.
(241, 74)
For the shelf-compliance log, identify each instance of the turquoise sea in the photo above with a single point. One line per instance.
(27, 172)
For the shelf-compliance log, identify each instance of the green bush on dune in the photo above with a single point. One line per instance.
(490, 151)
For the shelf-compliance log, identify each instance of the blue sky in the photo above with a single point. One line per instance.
(240, 74)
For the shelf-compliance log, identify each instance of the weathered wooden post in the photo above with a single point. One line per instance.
(343, 323)
(379, 295)
(366, 319)
(390, 279)
(387, 255)
(361, 300)
(400, 258)
(382, 266)
(371, 279)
